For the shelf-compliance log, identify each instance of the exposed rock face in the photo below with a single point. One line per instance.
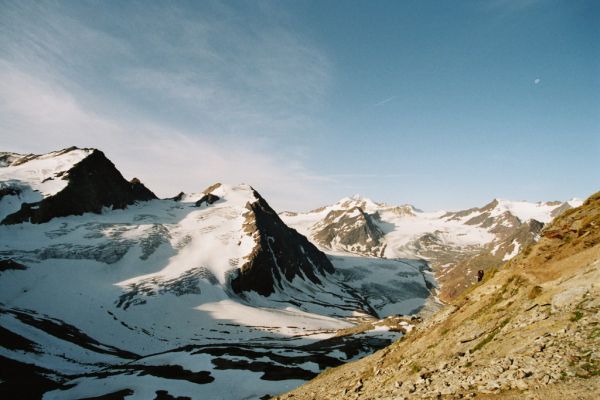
(207, 199)
(462, 265)
(211, 188)
(456, 244)
(7, 158)
(529, 330)
(179, 196)
(93, 183)
(280, 253)
(351, 229)
(9, 264)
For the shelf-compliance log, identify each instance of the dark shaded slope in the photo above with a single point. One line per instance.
(94, 182)
(352, 229)
(281, 252)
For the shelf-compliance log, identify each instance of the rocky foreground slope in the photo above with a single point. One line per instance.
(530, 330)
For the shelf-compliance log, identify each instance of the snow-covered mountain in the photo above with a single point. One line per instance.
(105, 289)
(72, 181)
(456, 244)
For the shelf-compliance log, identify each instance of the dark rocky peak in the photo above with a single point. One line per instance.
(92, 183)
(352, 229)
(209, 197)
(535, 226)
(574, 230)
(139, 191)
(280, 253)
(179, 196)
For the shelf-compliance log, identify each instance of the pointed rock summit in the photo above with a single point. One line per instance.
(280, 253)
(353, 230)
(72, 181)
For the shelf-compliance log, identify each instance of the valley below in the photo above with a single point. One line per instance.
(177, 298)
(107, 292)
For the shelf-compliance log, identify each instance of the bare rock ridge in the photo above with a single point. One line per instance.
(457, 245)
(511, 233)
(529, 330)
(352, 229)
(280, 253)
(93, 183)
(208, 199)
(74, 181)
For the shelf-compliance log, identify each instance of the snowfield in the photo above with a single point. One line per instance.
(136, 301)
(402, 225)
(35, 179)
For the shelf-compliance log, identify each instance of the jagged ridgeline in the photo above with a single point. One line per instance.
(280, 253)
(528, 330)
(459, 246)
(106, 290)
(72, 181)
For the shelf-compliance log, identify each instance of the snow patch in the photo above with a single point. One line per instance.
(516, 247)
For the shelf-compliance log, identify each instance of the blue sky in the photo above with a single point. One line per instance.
(444, 105)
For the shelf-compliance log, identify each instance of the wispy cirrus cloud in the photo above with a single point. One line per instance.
(36, 116)
(181, 98)
(384, 101)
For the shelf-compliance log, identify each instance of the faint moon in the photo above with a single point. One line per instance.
(536, 81)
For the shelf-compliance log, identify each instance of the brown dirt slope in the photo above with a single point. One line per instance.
(530, 330)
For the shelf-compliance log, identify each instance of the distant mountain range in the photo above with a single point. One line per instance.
(527, 331)
(457, 245)
(106, 290)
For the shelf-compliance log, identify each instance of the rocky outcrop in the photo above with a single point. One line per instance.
(461, 267)
(457, 269)
(10, 264)
(207, 199)
(179, 196)
(93, 183)
(350, 229)
(528, 330)
(456, 244)
(280, 253)
(7, 158)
